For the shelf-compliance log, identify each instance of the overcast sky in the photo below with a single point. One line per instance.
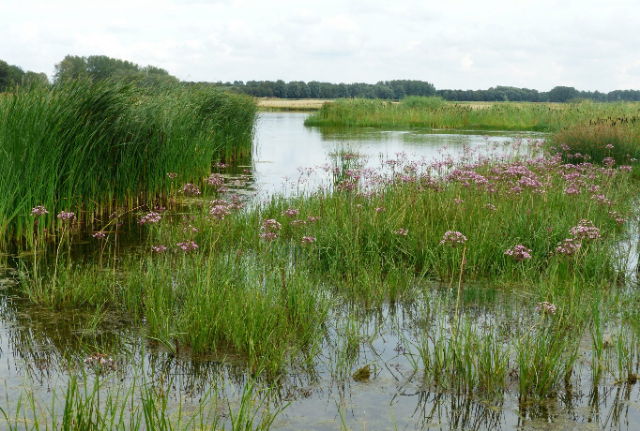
(468, 44)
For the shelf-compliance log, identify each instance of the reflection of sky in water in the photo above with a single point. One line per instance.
(283, 144)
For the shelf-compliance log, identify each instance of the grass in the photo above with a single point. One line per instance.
(512, 264)
(88, 147)
(437, 114)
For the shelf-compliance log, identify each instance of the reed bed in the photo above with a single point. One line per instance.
(86, 147)
(434, 113)
(616, 140)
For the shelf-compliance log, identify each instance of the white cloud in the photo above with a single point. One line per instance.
(452, 43)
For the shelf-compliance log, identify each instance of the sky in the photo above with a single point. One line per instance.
(461, 44)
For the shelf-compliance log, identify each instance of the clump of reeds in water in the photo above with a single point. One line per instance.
(617, 139)
(85, 146)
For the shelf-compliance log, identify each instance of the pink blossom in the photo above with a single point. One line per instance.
(308, 239)
(291, 212)
(188, 246)
(546, 307)
(66, 216)
(453, 238)
(39, 211)
(99, 235)
(159, 248)
(401, 231)
(519, 253)
(149, 218)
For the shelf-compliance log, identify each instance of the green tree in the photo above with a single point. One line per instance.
(71, 67)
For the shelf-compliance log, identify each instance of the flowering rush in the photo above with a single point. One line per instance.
(39, 211)
(159, 248)
(66, 216)
(270, 228)
(453, 238)
(291, 212)
(519, 253)
(585, 230)
(190, 189)
(149, 218)
(401, 231)
(546, 307)
(99, 235)
(188, 246)
(308, 239)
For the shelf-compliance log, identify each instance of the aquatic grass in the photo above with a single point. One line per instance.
(109, 144)
(431, 113)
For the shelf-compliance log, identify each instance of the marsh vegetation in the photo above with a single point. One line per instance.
(495, 279)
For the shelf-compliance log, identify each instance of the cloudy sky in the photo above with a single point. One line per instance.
(468, 44)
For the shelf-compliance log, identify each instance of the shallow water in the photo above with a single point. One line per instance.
(38, 346)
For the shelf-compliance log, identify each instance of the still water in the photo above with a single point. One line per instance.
(38, 345)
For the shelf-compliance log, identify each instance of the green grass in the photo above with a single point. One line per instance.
(434, 113)
(87, 147)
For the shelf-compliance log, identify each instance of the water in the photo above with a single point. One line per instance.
(38, 346)
(284, 144)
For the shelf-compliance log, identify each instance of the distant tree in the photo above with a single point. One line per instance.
(71, 67)
(5, 80)
(562, 94)
(280, 89)
(314, 89)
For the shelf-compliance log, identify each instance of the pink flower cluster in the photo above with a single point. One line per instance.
(100, 360)
(159, 248)
(99, 235)
(453, 238)
(270, 228)
(568, 247)
(291, 212)
(190, 189)
(219, 212)
(546, 307)
(308, 239)
(215, 180)
(585, 230)
(519, 253)
(172, 175)
(39, 211)
(188, 246)
(401, 231)
(66, 216)
(150, 218)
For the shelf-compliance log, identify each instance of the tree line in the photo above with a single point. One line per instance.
(103, 67)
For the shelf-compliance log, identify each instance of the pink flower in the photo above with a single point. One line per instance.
(66, 216)
(190, 189)
(291, 212)
(380, 209)
(99, 235)
(519, 253)
(453, 238)
(149, 218)
(585, 230)
(159, 248)
(172, 175)
(546, 307)
(39, 211)
(568, 247)
(271, 225)
(308, 239)
(188, 246)
(401, 231)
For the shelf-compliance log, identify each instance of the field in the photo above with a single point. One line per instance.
(291, 104)
(504, 276)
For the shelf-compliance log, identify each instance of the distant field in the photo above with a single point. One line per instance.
(292, 104)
